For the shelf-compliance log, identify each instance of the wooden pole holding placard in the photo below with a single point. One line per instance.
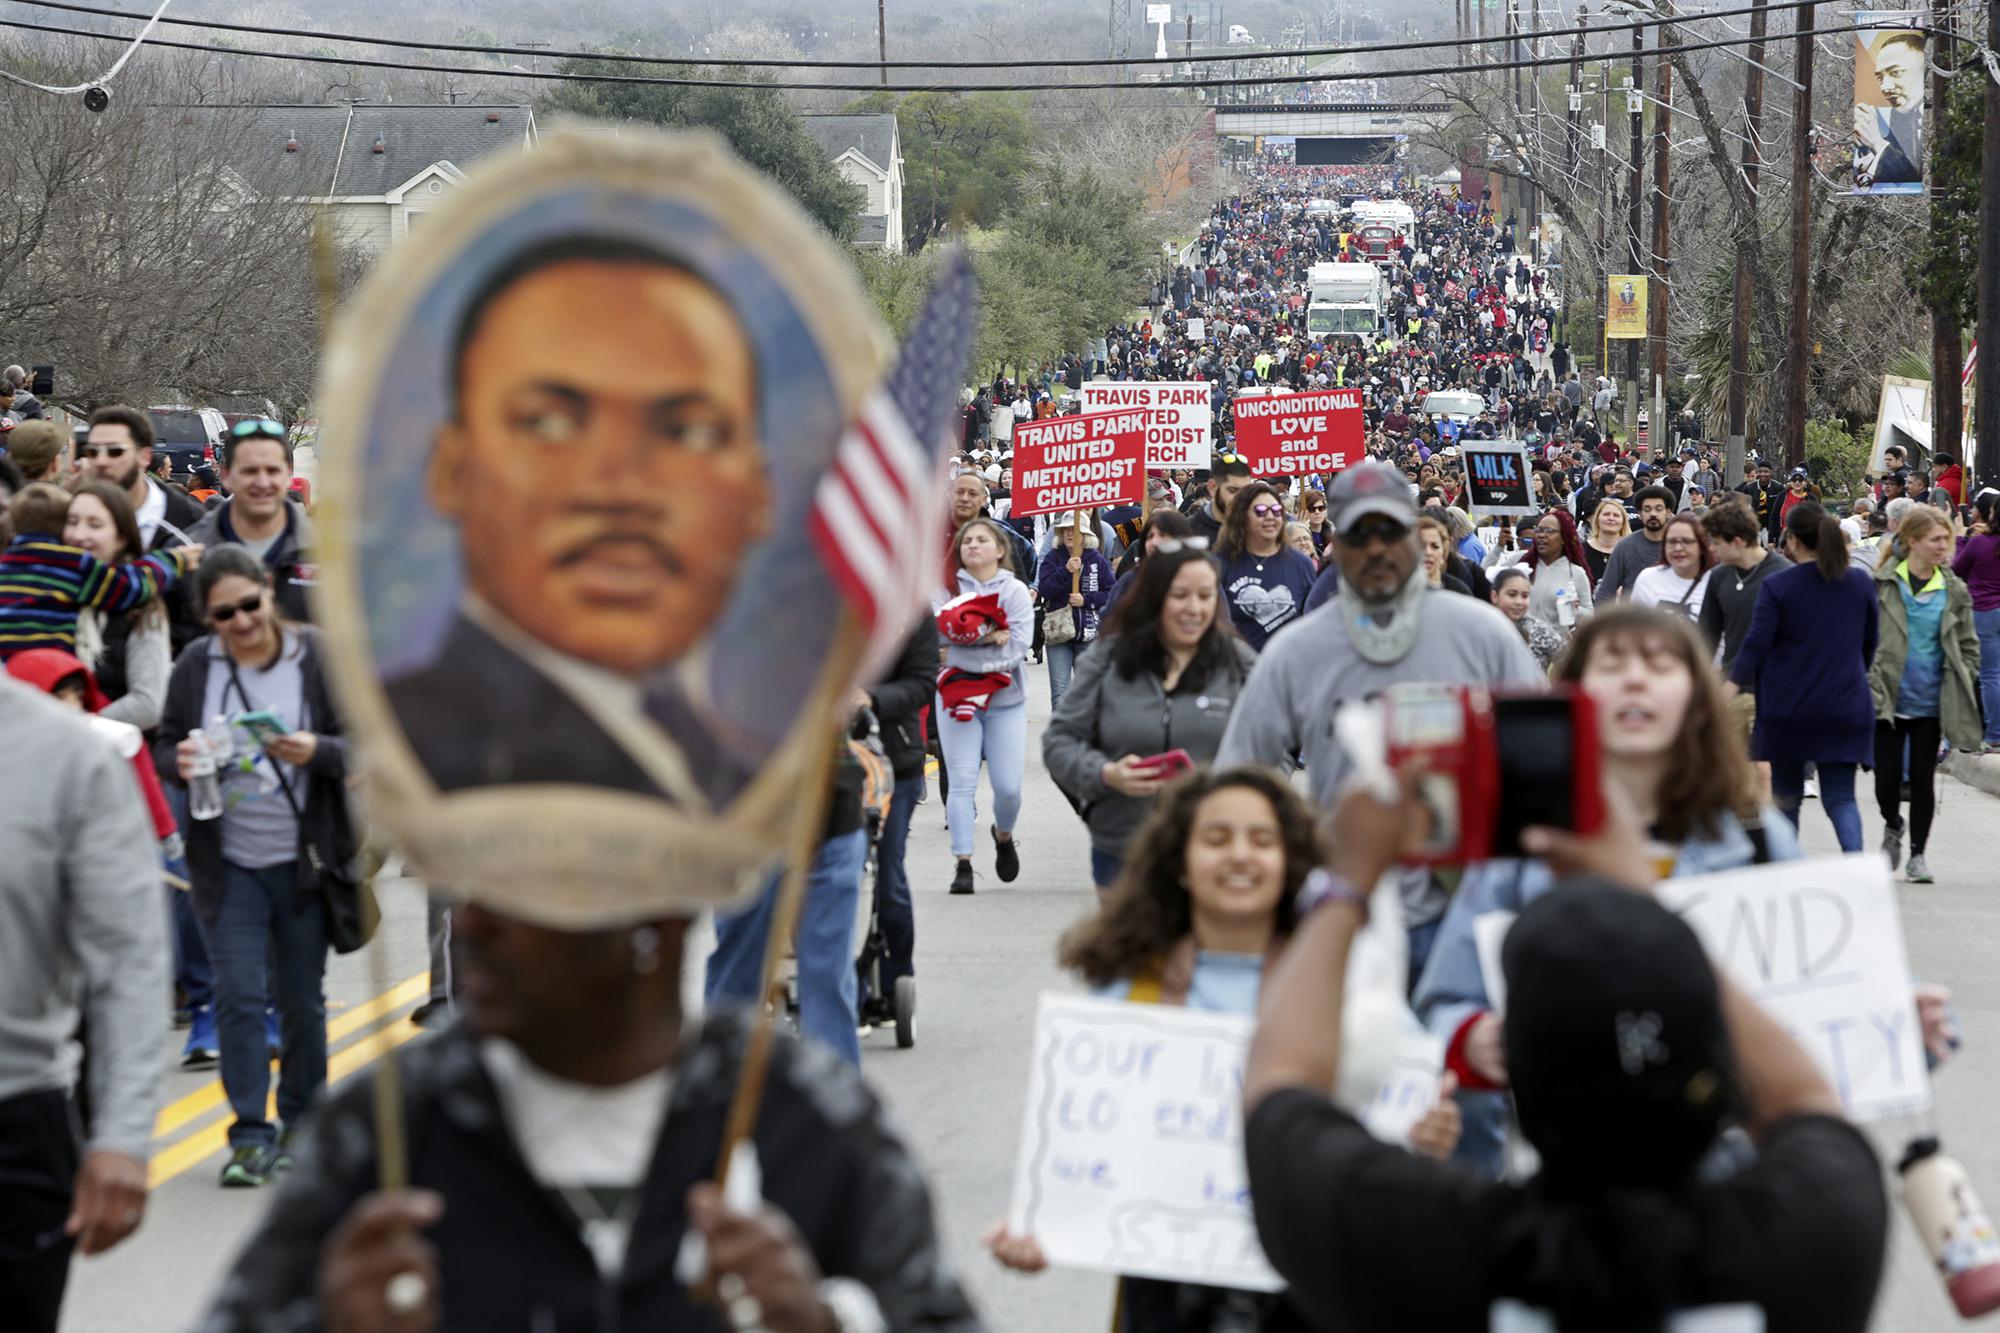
(1076, 550)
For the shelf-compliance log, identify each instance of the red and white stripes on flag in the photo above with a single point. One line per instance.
(1971, 364)
(875, 520)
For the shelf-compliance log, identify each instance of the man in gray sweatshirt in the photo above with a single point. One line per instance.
(85, 929)
(1638, 552)
(1384, 627)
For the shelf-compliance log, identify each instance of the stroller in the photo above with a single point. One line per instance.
(877, 788)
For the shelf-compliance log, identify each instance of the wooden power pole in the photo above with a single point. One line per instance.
(1656, 300)
(1635, 200)
(1798, 342)
(1747, 243)
(1986, 390)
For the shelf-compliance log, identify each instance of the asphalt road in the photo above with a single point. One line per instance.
(959, 1092)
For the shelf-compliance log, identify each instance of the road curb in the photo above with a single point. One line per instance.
(1975, 770)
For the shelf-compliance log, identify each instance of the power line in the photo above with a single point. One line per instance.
(1483, 67)
(747, 62)
(108, 74)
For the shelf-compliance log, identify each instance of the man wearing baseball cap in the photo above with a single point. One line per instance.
(1624, 1050)
(1381, 626)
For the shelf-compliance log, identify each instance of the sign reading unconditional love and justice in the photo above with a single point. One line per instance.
(1131, 1154)
(1299, 434)
(1083, 462)
(1179, 417)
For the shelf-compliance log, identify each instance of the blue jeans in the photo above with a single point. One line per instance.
(192, 974)
(1836, 797)
(1000, 737)
(828, 1000)
(892, 884)
(1105, 868)
(260, 926)
(1988, 625)
(1061, 661)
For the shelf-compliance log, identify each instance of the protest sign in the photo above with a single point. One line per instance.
(1410, 1090)
(1179, 418)
(1496, 477)
(1131, 1155)
(1819, 943)
(1197, 330)
(1299, 434)
(1081, 462)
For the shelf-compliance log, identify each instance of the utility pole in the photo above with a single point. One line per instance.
(1535, 139)
(1986, 389)
(535, 60)
(1747, 243)
(1636, 106)
(882, 38)
(1575, 93)
(1798, 345)
(1656, 300)
(1947, 337)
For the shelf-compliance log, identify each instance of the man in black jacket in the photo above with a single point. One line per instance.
(898, 703)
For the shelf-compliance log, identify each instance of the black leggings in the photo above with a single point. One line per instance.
(1922, 735)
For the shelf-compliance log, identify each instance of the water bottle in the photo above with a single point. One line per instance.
(204, 788)
(1566, 607)
(1953, 1225)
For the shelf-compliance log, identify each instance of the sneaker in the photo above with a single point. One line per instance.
(1812, 789)
(1006, 858)
(1892, 844)
(1919, 871)
(248, 1167)
(962, 881)
(434, 1012)
(281, 1155)
(201, 1051)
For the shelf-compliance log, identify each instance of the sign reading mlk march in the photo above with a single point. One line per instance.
(1496, 474)
(1819, 943)
(1179, 417)
(1081, 462)
(1131, 1155)
(1299, 434)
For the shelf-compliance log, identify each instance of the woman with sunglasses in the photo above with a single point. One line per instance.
(1312, 510)
(1555, 560)
(259, 890)
(128, 652)
(1265, 581)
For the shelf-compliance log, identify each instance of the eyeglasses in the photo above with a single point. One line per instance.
(1315, 509)
(257, 428)
(1170, 545)
(249, 606)
(1388, 532)
(112, 451)
(1266, 510)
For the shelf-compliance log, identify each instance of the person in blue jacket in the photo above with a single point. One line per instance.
(1069, 565)
(1669, 752)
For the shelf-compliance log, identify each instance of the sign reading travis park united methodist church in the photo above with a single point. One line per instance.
(1083, 462)
(1179, 417)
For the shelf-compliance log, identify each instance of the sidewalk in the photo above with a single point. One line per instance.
(1981, 771)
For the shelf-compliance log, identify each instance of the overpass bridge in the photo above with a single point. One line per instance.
(1329, 133)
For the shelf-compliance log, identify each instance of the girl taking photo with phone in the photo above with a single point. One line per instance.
(1162, 684)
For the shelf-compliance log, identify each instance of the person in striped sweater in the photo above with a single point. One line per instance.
(44, 583)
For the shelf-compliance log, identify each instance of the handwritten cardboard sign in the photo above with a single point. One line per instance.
(1496, 476)
(1300, 434)
(1131, 1155)
(1819, 943)
(1179, 417)
(1081, 462)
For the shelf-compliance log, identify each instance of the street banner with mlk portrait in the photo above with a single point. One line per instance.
(1625, 306)
(1888, 103)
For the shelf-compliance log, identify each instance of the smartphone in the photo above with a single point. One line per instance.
(263, 725)
(1169, 763)
(1548, 757)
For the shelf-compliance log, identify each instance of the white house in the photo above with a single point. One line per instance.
(868, 150)
(379, 167)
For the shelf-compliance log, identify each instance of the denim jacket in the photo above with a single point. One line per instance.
(1452, 989)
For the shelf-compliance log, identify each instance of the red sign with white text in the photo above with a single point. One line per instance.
(1082, 462)
(1300, 434)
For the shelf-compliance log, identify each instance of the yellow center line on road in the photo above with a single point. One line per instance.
(209, 1095)
(197, 1148)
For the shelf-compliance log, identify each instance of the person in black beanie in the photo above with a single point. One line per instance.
(1627, 1055)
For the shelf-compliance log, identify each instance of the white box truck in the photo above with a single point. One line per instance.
(1345, 301)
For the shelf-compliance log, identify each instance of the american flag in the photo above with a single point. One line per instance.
(877, 512)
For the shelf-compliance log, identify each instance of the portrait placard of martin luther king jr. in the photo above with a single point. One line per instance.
(589, 414)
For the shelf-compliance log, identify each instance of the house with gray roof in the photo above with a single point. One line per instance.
(378, 167)
(868, 150)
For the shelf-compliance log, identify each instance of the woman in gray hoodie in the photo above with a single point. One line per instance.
(1165, 678)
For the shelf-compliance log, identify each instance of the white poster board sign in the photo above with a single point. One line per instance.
(1197, 329)
(1131, 1156)
(1819, 943)
(1179, 417)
